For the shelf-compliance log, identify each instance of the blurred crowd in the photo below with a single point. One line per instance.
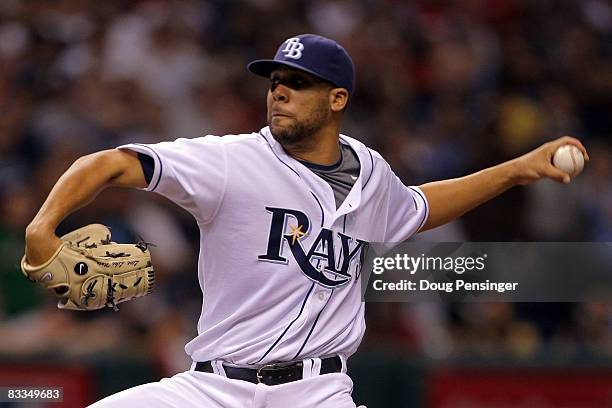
(443, 88)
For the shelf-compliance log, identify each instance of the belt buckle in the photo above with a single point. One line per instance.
(259, 376)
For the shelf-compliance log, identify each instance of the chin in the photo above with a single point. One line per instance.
(276, 129)
(279, 127)
(280, 133)
(284, 135)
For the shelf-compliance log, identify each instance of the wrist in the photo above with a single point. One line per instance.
(38, 229)
(511, 172)
(41, 242)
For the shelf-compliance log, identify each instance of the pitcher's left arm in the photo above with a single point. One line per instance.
(450, 199)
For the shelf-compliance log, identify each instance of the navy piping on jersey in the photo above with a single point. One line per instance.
(281, 160)
(371, 170)
(313, 326)
(322, 213)
(300, 177)
(161, 165)
(343, 231)
(426, 209)
(414, 202)
(321, 207)
(290, 324)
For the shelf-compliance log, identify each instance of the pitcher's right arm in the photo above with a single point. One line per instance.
(77, 187)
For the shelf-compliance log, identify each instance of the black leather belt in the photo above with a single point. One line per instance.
(272, 374)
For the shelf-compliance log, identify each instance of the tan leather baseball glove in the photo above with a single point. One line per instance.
(89, 271)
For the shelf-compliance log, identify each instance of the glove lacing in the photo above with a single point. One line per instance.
(89, 293)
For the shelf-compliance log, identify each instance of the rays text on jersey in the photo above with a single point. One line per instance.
(325, 261)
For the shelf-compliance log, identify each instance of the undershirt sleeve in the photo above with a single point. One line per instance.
(148, 165)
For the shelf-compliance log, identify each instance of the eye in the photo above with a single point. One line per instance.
(274, 83)
(296, 83)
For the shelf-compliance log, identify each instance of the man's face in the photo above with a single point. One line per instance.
(298, 105)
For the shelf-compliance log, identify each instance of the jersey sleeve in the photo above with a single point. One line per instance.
(190, 172)
(407, 210)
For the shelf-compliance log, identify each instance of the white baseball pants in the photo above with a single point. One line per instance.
(206, 390)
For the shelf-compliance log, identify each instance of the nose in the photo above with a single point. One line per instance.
(280, 93)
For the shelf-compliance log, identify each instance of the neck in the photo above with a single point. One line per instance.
(321, 148)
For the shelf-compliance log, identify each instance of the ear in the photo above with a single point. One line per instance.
(338, 98)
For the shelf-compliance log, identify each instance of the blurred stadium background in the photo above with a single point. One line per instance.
(444, 88)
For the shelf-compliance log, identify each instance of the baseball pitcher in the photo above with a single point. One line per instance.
(285, 216)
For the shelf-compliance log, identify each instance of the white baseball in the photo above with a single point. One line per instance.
(569, 159)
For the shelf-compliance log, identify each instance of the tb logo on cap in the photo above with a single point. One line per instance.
(293, 48)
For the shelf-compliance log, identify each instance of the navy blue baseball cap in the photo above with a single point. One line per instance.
(314, 54)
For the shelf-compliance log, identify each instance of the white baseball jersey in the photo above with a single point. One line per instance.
(279, 264)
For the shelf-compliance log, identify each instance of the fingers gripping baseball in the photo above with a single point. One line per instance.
(538, 163)
(89, 271)
(557, 174)
(571, 141)
(567, 156)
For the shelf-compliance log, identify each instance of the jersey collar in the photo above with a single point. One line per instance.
(353, 199)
